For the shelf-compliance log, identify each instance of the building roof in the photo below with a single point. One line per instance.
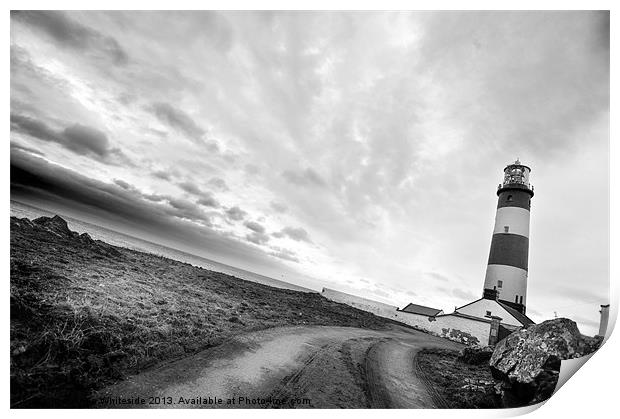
(520, 317)
(418, 309)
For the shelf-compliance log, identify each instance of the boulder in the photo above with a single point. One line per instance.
(475, 355)
(55, 225)
(527, 362)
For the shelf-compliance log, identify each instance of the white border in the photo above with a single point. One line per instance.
(592, 393)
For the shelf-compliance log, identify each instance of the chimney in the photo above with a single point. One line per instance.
(604, 319)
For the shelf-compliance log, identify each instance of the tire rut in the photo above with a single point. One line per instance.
(377, 394)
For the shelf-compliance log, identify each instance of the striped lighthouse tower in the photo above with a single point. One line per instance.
(506, 276)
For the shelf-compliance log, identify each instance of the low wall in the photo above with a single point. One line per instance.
(450, 326)
(374, 307)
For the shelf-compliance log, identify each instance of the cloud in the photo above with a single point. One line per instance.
(438, 277)
(464, 294)
(284, 254)
(80, 139)
(257, 238)
(26, 149)
(187, 209)
(297, 234)
(178, 120)
(67, 32)
(123, 184)
(235, 213)
(161, 174)
(86, 140)
(209, 201)
(218, 183)
(254, 226)
(190, 187)
(154, 197)
(306, 177)
(278, 207)
(35, 128)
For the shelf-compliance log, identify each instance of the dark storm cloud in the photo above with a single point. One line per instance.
(297, 234)
(86, 140)
(33, 177)
(254, 226)
(236, 213)
(35, 128)
(178, 120)
(67, 32)
(26, 149)
(306, 177)
(80, 139)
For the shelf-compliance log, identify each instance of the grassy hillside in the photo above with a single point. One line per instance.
(85, 313)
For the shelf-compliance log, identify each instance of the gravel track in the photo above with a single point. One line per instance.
(301, 367)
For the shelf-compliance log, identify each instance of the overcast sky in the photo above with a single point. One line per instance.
(359, 149)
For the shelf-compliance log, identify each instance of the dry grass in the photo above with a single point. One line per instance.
(456, 384)
(84, 314)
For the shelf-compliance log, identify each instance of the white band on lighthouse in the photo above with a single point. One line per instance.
(513, 220)
(510, 282)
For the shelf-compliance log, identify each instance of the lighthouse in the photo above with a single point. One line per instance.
(506, 274)
(501, 309)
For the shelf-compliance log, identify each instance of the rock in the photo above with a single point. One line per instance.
(54, 225)
(86, 239)
(475, 355)
(527, 362)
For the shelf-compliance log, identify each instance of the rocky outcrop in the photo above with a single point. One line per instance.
(527, 362)
(55, 225)
(55, 228)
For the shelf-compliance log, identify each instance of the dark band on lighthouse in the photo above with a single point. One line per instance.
(510, 250)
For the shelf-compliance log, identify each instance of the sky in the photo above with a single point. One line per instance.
(359, 151)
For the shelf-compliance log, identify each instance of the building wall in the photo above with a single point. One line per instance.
(375, 307)
(449, 326)
(479, 309)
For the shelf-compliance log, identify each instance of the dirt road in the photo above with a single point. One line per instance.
(301, 367)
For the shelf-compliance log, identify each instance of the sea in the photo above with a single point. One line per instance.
(21, 210)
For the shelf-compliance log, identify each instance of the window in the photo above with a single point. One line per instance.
(506, 228)
(509, 199)
(488, 313)
(517, 299)
(499, 284)
(521, 300)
